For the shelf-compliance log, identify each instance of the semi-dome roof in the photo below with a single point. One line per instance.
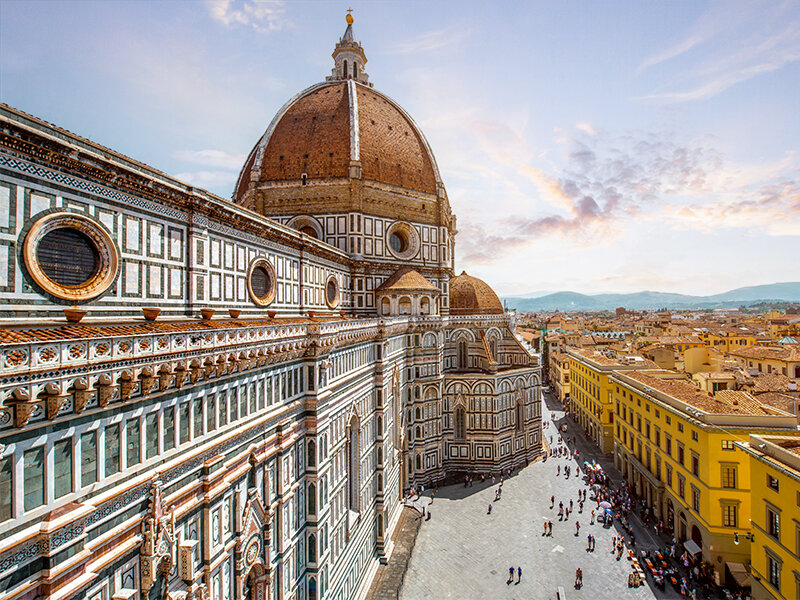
(473, 296)
(330, 126)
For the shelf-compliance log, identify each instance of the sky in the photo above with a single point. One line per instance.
(587, 146)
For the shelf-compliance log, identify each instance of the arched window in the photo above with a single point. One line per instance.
(386, 307)
(312, 499)
(355, 70)
(344, 69)
(520, 415)
(353, 464)
(493, 348)
(312, 453)
(405, 306)
(312, 588)
(461, 424)
(419, 462)
(312, 549)
(462, 355)
(425, 306)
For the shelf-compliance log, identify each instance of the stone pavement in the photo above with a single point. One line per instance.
(462, 552)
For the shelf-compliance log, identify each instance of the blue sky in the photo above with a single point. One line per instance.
(590, 146)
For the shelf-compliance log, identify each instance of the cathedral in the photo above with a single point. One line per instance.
(214, 399)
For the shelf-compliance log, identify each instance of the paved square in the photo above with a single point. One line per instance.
(463, 552)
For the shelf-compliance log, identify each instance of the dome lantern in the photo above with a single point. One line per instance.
(348, 57)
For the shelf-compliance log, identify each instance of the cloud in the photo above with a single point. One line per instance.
(431, 40)
(211, 158)
(674, 51)
(608, 183)
(261, 15)
(740, 42)
(586, 128)
(208, 179)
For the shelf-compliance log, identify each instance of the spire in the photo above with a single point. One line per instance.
(348, 57)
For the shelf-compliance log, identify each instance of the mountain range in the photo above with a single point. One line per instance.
(573, 301)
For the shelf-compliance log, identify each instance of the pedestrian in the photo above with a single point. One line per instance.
(570, 504)
(613, 543)
(519, 574)
(580, 506)
(592, 521)
(550, 528)
(589, 543)
(578, 577)
(552, 501)
(510, 574)
(488, 512)
(558, 471)
(577, 528)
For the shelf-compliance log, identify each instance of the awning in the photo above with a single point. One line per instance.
(739, 573)
(692, 547)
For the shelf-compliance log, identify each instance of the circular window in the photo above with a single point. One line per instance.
(70, 256)
(402, 240)
(332, 292)
(398, 242)
(309, 231)
(306, 224)
(261, 282)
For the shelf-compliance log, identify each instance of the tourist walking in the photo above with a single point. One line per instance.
(578, 578)
(519, 574)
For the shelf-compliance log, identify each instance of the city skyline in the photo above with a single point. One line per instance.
(608, 148)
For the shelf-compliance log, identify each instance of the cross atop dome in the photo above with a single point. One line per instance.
(348, 57)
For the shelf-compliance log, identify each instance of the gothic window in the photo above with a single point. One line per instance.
(353, 464)
(312, 548)
(344, 70)
(312, 454)
(461, 424)
(312, 499)
(355, 70)
(461, 361)
(520, 416)
(385, 306)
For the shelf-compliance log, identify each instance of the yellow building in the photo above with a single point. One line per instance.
(775, 501)
(559, 375)
(728, 340)
(676, 447)
(590, 390)
(783, 359)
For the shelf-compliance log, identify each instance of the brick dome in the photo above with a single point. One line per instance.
(473, 296)
(340, 129)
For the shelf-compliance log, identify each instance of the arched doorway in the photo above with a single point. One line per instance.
(254, 586)
(697, 537)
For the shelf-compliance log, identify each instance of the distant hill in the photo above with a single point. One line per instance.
(572, 301)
